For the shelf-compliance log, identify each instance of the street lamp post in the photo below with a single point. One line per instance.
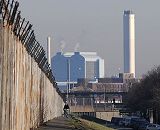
(67, 92)
(68, 78)
(69, 75)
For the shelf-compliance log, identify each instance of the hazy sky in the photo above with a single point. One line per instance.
(96, 25)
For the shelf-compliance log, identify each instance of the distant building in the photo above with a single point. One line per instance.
(103, 95)
(115, 85)
(74, 65)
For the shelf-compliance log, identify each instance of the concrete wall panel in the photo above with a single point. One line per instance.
(27, 97)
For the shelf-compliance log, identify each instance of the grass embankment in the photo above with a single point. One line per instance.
(82, 124)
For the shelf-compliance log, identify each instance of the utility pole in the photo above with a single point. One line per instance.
(69, 74)
(68, 78)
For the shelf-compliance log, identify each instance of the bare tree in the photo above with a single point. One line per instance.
(146, 94)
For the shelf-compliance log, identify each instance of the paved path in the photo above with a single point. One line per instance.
(57, 124)
(125, 129)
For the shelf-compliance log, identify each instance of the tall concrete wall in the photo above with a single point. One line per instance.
(27, 98)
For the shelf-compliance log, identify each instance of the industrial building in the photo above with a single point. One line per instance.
(105, 95)
(70, 66)
(114, 86)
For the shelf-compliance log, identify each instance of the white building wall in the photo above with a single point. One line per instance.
(101, 68)
(129, 42)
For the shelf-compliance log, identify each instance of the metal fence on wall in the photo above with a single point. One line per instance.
(22, 29)
(28, 92)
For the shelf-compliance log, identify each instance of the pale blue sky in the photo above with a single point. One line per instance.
(97, 26)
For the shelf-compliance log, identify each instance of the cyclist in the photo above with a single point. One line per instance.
(66, 110)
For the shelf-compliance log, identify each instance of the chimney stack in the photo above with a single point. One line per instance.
(129, 42)
(49, 50)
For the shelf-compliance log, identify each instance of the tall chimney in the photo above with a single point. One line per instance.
(129, 42)
(49, 50)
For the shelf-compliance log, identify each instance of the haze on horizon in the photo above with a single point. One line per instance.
(97, 25)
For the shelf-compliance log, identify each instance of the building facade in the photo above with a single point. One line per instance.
(75, 65)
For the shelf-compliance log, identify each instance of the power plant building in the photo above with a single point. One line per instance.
(129, 42)
(74, 65)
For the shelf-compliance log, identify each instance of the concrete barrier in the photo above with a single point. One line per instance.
(27, 97)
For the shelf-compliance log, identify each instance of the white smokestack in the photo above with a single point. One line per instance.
(129, 42)
(49, 50)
